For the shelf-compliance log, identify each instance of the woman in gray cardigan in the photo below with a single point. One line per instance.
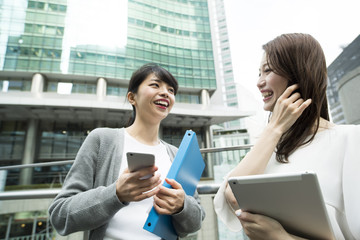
(102, 196)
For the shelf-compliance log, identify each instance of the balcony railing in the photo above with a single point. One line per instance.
(51, 193)
(206, 190)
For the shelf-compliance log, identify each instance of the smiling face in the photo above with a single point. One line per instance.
(270, 84)
(153, 100)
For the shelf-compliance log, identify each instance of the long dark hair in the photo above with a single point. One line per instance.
(300, 59)
(142, 73)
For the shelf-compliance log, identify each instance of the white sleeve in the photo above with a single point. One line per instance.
(351, 180)
(223, 210)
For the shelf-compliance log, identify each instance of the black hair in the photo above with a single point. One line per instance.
(142, 73)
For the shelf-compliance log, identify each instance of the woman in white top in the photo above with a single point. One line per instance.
(101, 195)
(298, 137)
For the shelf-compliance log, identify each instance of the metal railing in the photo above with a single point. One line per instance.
(51, 193)
(65, 162)
(206, 191)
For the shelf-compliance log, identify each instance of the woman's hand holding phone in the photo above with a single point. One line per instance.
(139, 184)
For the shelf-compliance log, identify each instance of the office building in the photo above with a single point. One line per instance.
(344, 82)
(231, 133)
(64, 70)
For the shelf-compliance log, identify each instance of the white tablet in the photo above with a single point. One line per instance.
(293, 199)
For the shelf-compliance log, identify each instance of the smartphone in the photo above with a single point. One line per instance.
(137, 160)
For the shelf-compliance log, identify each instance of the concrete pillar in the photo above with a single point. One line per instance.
(29, 151)
(37, 84)
(208, 156)
(205, 98)
(101, 88)
(208, 138)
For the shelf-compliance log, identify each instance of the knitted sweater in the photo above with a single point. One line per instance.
(88, 197)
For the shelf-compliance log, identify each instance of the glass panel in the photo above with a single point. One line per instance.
(50, 30)
(53, 7)
(31, 4)
(34, 65)
(116, 91)
(40, 5)
(39, 28)
(60, 31)
(59, 146)
(62, 8)
(12, 139)
(51, 87)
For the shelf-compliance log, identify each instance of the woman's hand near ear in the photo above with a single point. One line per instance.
(288, 108)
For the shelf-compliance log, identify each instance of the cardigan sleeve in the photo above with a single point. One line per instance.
(351, 179)
(79, 206)
(190, 218)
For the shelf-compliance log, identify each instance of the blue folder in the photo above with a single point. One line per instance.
(186, 169)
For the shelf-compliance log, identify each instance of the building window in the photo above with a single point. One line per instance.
(188, 98)
(230, 87)
(229, 96)
(70, 88)
(12, 140)
(61, 140)
(233, 104)
(116, 91)
(83, 88)
(15, 85)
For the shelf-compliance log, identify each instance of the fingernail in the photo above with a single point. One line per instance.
(238, 212)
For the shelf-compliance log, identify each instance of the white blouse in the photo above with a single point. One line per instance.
(334, 156)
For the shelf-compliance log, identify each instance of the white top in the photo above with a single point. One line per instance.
(128, 222)
(334, 156)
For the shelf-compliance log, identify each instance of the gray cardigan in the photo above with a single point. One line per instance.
(88, 198)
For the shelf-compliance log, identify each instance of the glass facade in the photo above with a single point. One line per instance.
(229, 95)
(176, 35)
(12, 140)
(60, 140)
(62, 37)
(346, 62)
(32, 38)
(12, 85)
(72, 45)
(70, 87)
